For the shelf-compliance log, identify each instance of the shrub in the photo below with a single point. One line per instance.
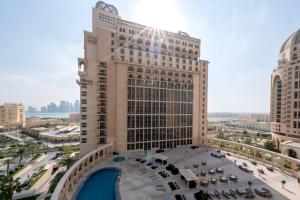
(287, 164)
(55, 181)
(269, 158)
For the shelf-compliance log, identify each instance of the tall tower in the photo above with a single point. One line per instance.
(285, 97)
(140, 87)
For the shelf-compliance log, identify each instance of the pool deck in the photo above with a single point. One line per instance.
(140, 182)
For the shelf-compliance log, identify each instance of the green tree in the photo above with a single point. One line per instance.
(55, 181)
(248, 141)
(67, 161)
(7, 162)
(23, 136)
(20, 153)
(8, 186)
(269, 145)
(298, 168)
(220, 135)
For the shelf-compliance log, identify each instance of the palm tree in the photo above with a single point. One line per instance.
(23, 136)
(67, 161)
(7, 162)
(9, 185)
(20, 152)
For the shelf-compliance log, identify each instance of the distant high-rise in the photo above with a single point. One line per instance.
(31, 109)
(77, 106)
(140, 87)
(285, 97)
(12, 115)
(52, 108)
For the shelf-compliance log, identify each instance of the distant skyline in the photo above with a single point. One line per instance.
(41, 40)
(52, 107)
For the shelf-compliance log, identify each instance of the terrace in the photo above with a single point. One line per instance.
(143, 178)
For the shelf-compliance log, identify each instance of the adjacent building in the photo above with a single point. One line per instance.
(140, 87)
(12, 115)
(285, 97)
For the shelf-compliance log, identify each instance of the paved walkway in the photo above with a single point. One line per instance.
(42, 185)
(273, 179)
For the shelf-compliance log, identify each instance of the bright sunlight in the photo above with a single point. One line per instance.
(159, 14)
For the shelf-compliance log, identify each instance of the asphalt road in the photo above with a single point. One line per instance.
(35, 165)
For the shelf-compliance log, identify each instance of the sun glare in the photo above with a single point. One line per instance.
(160, 14)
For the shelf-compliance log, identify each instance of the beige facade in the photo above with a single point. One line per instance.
(285, 95)
(12, 115)
(140, 87)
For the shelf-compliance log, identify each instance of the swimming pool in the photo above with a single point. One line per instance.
(100, 185)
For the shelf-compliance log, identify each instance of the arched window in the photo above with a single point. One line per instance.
(140, 70)
(122, 37)
(130, 69)
(140, 41)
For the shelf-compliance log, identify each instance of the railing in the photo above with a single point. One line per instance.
(263, 155)
(73, 177)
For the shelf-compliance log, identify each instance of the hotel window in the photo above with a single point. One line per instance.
(112, 35)
(83, 140)
(84, 132)
(112, 50)
(122, 58)
(131, 52)
(112, 42)
(140, 61)
(102, 133)
(122, 50)
(83, 109)
(130, 136)
(83, 125)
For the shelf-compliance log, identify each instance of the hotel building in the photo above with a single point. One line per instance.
(12, 115)
(140, 87)
(285, 98)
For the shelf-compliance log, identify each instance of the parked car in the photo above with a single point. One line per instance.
(253, 162)
(25, 183)
(271, 169)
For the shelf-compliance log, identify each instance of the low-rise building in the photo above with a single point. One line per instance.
(37, 122)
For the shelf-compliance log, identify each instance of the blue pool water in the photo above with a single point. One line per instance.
(118, 159)
(100, 186)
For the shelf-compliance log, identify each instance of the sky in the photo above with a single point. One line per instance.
(41, 41)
